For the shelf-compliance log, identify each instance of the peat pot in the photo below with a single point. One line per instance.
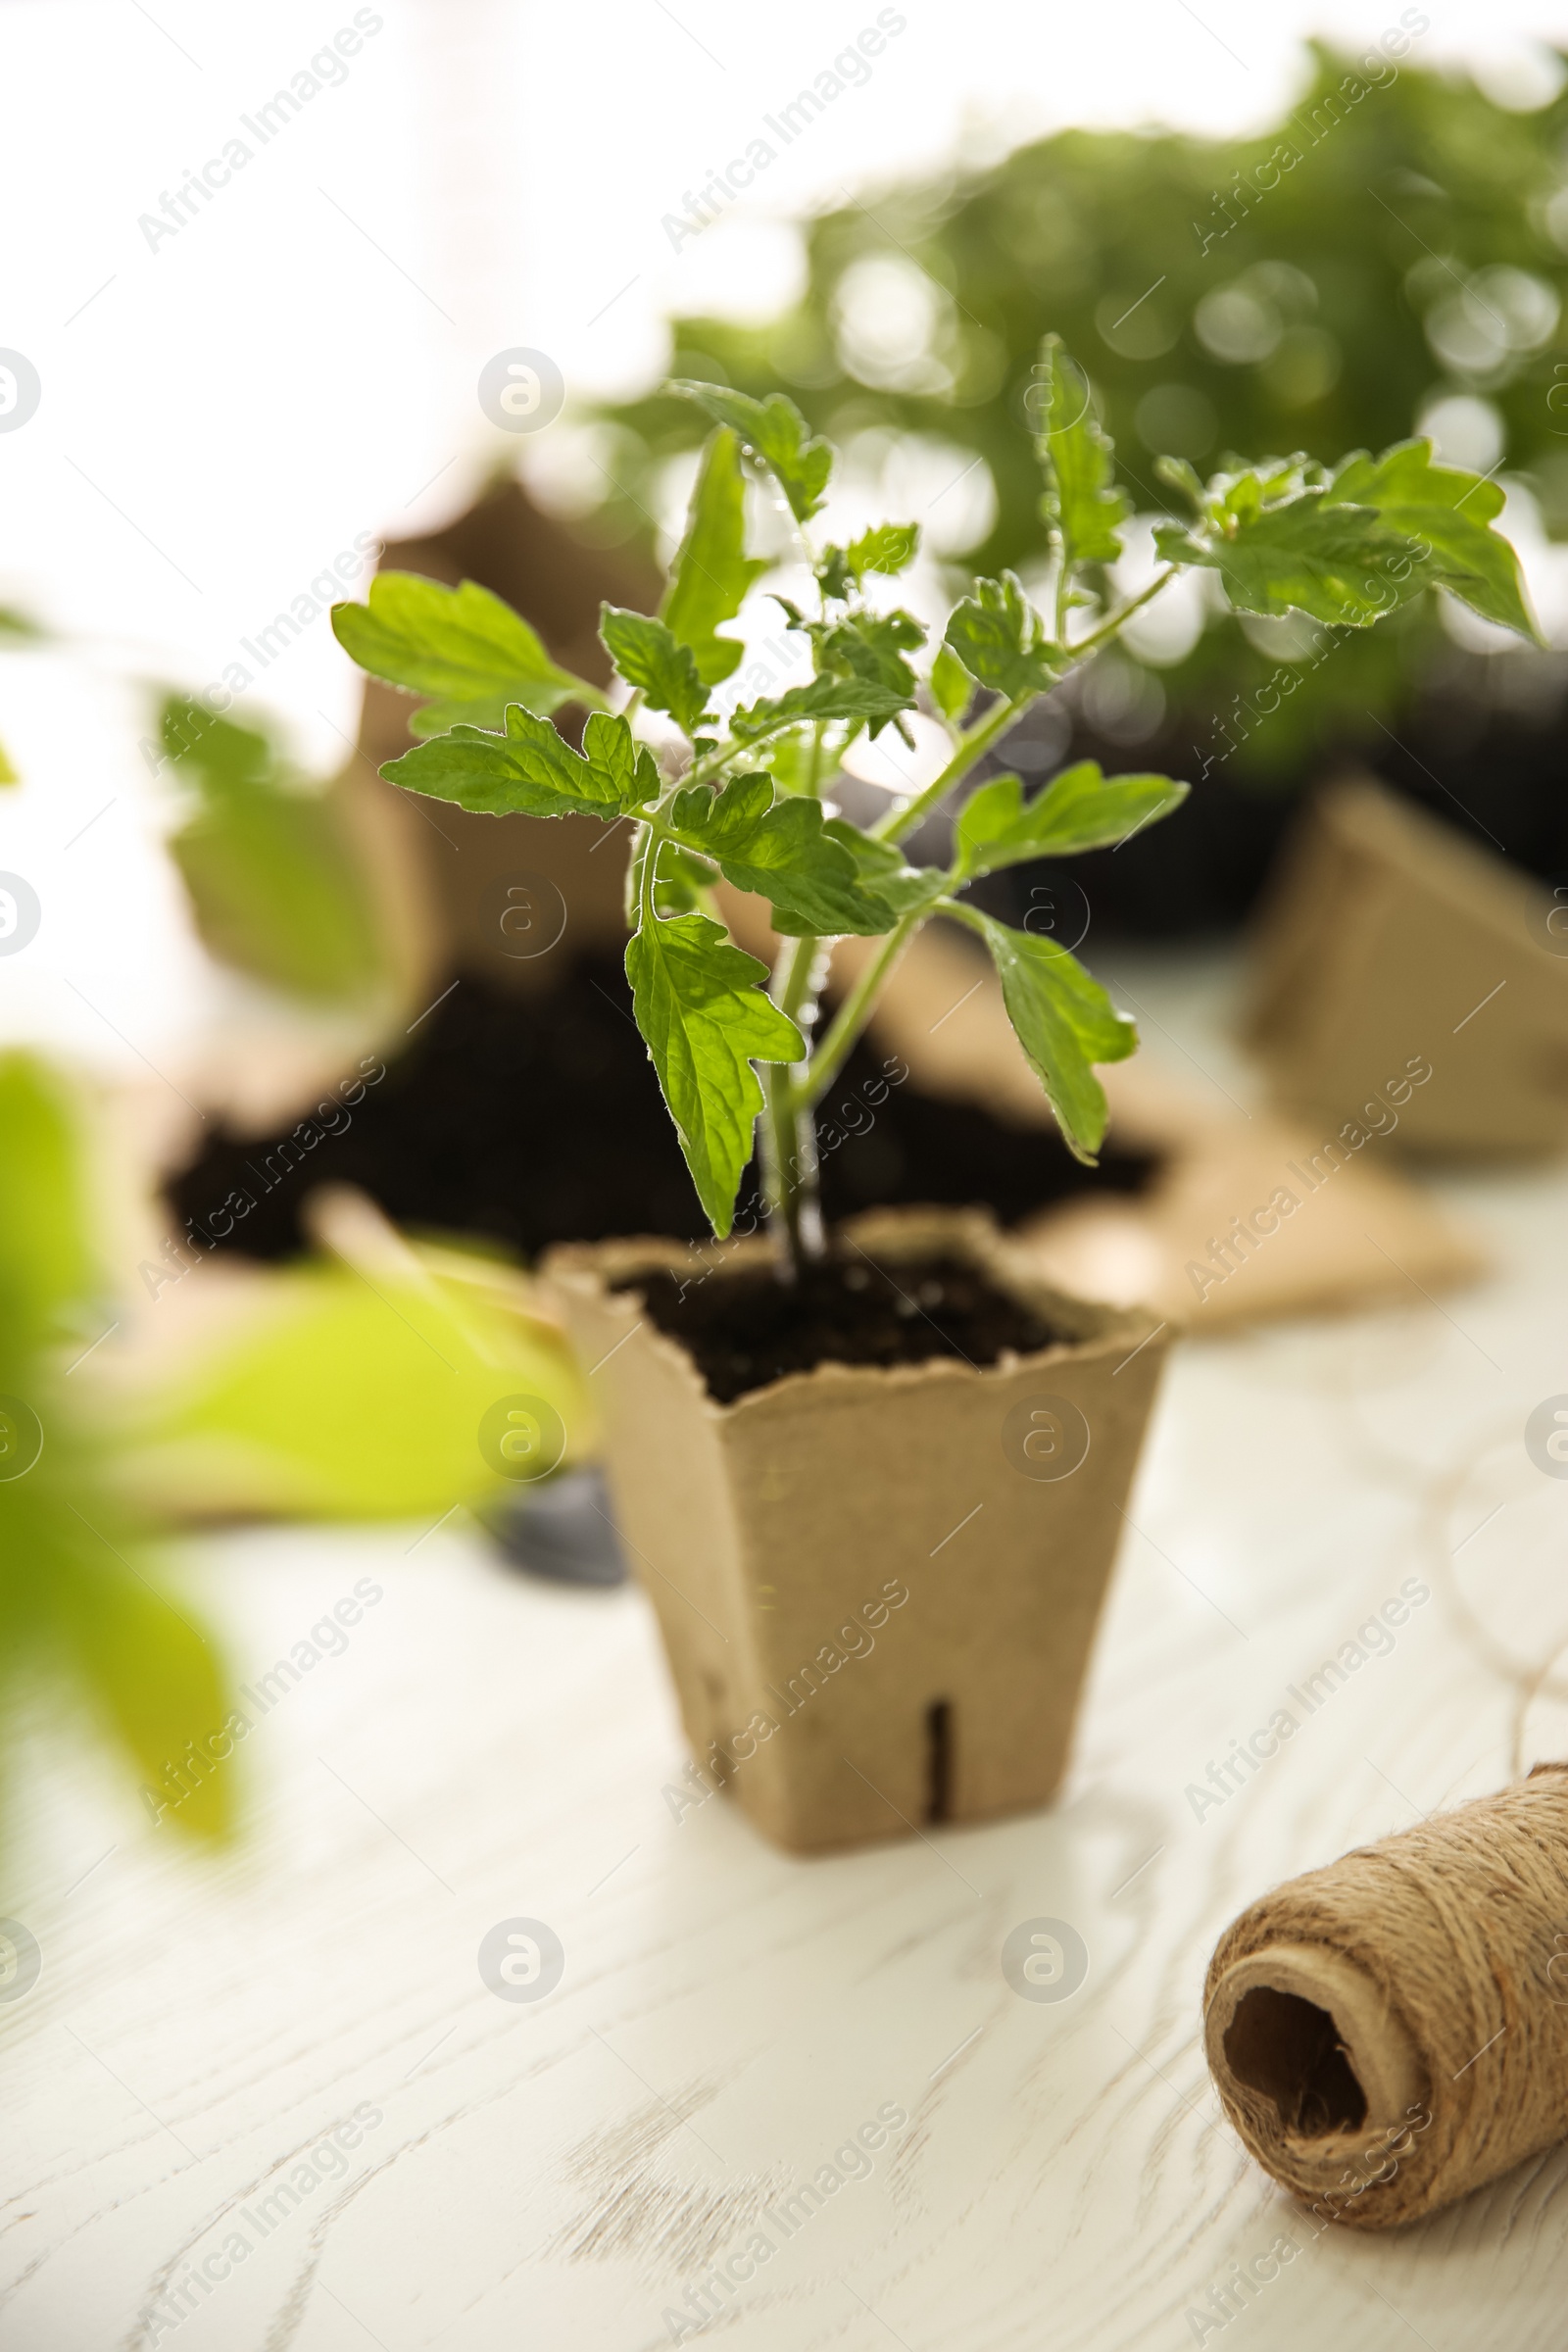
(877, 1586)
(1405, 978)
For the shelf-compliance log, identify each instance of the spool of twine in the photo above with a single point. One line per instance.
(1392, 2032)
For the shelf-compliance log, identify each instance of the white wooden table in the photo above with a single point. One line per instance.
(558, 2173)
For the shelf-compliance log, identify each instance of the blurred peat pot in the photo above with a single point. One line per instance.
(1391, 945)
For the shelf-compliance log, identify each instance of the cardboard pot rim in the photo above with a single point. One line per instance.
(1095, 1328)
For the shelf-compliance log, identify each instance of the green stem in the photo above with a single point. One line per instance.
(813, 773)
(789, 1132)
(972, 746)
(1112, 625)
(854, 1012)
(645, 912)
(961, 913)
(703, 771)
(789, 1172)
(1063, 590)
(792, 980)
(979, 738)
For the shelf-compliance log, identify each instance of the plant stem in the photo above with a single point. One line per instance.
(1111, 626)
(855, 1011)
(972, 746)
(714, 763)
(813, 773)
(790, 1132)
(796, 977)
(789, 1171)
(789, 1149)
(961, 913)
(977, 741)
(1063, 590)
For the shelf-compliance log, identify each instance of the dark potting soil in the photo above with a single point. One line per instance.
(744, 1328)
(530, 1121)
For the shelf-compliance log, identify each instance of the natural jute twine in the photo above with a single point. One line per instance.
(1392, 2032)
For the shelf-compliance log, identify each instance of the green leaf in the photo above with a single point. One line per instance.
(1066, 1023)
(861, 674)
(354, 1395)
(532, 771)
(46, 1270)
(950, 684)
(1348, 550)
(274, 883)
(888, 546)
(782, 849)
(1449, 515)
(705, 1020)
(1080, 810)
(776, 432)
(77, 1593)
(871, 646)
(73, 1588)
(215, 755)
(1281, 544)
(1180, 476)
(825, 698)
(648, 655)
(797, 760)
(883, 873)
(155, 1680)
(711, 572)
(277, 892)
(1081, 503)
(1001, 640)
(462, 645)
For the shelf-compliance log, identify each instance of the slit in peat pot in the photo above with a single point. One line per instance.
(939, 1760)
(718, 1756)
(1289, 2049)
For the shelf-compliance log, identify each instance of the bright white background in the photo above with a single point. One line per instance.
(223, 415)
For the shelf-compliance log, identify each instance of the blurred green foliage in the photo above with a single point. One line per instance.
(80, 1605)
(1397, 239)
(345, 1394)
(275, 884)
